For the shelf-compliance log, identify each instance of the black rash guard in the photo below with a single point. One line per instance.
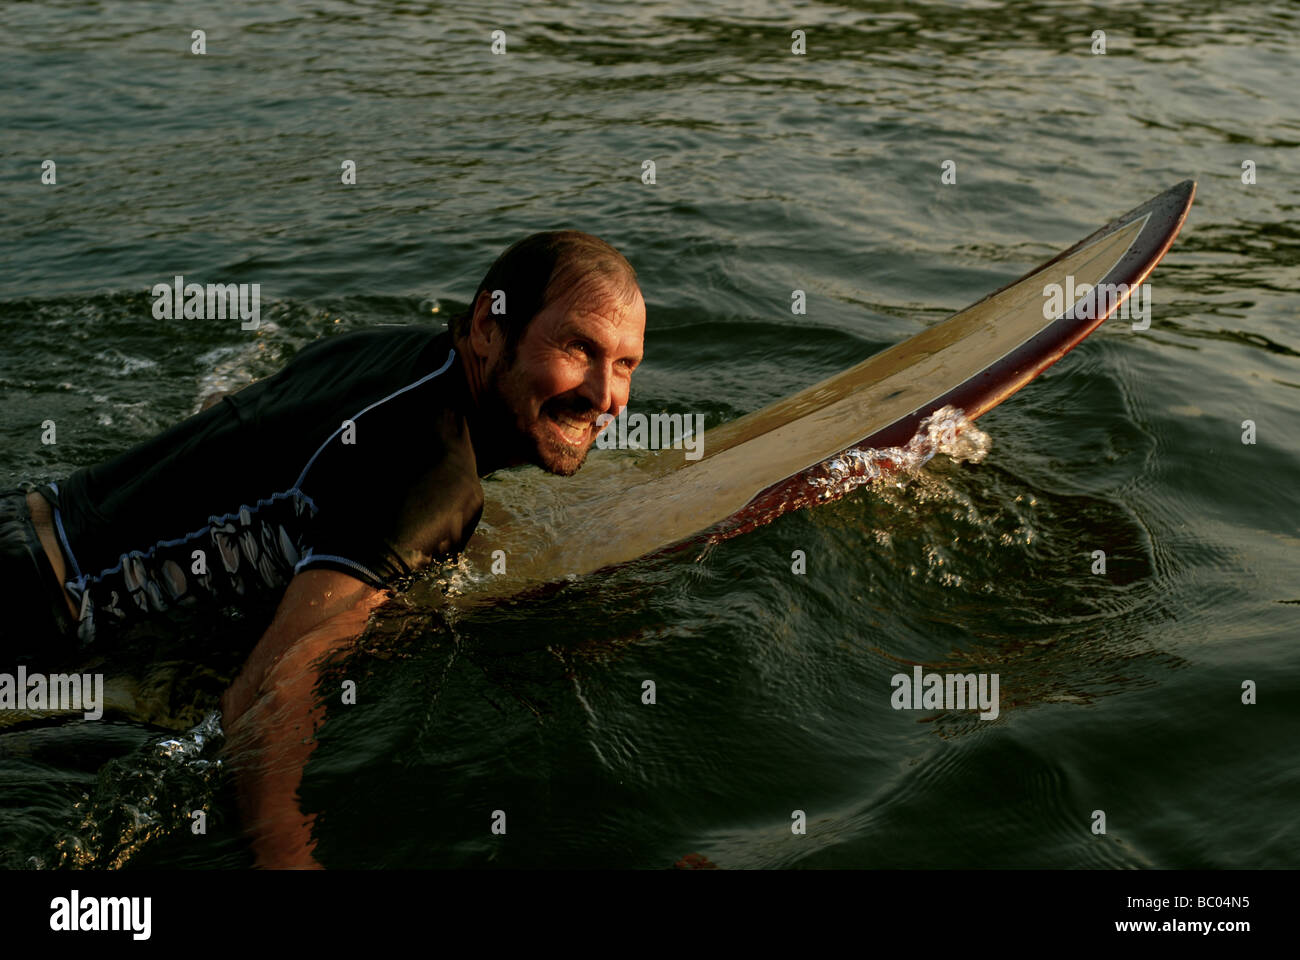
(355, 457)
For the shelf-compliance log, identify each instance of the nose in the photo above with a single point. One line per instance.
(598, 386)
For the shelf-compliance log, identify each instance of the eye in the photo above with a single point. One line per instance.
(581, 347)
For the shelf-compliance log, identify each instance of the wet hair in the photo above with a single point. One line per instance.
(537, 270)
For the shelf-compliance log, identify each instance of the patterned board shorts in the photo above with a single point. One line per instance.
(35, 623)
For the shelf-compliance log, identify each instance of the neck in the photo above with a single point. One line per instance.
(474, 368)
(486, 429)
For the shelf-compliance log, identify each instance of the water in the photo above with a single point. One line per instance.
(1119, 692)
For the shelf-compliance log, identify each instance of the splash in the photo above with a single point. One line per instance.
(228, 369)
(142, 798)
(946, 431)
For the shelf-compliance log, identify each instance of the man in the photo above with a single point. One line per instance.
(326, 484)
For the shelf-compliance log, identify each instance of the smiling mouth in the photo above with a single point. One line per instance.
(573, 430)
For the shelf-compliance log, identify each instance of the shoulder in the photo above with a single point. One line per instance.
(342, 376)
(402, 346)
(394, 427)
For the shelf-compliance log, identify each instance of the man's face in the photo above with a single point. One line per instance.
(573, 363)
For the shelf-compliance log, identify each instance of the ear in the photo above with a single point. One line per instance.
(485, 335)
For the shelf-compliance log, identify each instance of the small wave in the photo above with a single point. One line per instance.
(119, 364)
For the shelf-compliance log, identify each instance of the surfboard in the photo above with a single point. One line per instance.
(753, 469)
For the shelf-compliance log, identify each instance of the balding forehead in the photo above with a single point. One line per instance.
(595, 286)
(601, 297)
(619, 327)
(617, 318)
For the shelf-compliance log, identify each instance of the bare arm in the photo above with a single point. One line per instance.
(269, 712)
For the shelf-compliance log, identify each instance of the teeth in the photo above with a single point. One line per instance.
(572, 426)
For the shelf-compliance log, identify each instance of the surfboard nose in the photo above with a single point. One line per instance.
(1181, 196)
(1180, 193)
(1173, 205)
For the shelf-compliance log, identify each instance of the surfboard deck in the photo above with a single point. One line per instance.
(753, 469)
